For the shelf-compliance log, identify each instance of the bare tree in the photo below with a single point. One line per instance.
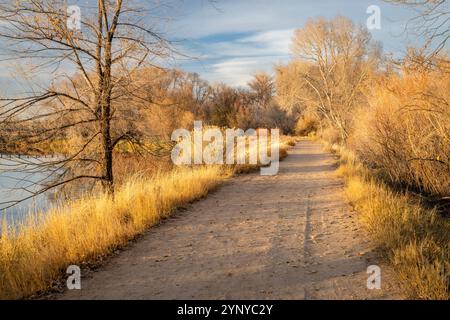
(91, 69)
(338, 56)
(262, 88)
(265, 111)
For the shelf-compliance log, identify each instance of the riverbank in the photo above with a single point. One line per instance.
(35, 257)
(86, 230)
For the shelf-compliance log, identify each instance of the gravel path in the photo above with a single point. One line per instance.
(291, 236)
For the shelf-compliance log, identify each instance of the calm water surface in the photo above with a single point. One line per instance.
(13, 179)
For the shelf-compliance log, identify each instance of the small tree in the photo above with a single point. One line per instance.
(262, 89)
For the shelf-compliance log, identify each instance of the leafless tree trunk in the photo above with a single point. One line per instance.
(112, 44)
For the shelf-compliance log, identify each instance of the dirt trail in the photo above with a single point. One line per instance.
(292, 236)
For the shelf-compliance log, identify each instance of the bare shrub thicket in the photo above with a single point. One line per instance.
(405, 130)
(252, 107)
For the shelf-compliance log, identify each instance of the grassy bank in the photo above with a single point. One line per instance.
(87, 229)
(35, 256)
(414, 239)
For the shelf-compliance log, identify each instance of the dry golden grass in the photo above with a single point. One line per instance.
(414, 239)
(285, 143)
(87, 229)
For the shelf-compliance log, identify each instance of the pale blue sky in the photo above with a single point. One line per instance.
(229, 40)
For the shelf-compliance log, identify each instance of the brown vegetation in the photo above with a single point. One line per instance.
(404, 131)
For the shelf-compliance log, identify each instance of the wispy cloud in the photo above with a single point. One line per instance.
(272, 42)
(241, 58)
(239, 71)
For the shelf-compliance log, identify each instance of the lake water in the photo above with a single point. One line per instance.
(15, 176)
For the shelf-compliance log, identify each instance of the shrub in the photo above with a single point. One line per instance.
(405, 131)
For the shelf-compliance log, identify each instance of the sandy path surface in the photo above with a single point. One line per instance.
(292, 236)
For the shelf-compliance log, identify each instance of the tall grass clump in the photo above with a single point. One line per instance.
(37, 253)
(415, 240)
